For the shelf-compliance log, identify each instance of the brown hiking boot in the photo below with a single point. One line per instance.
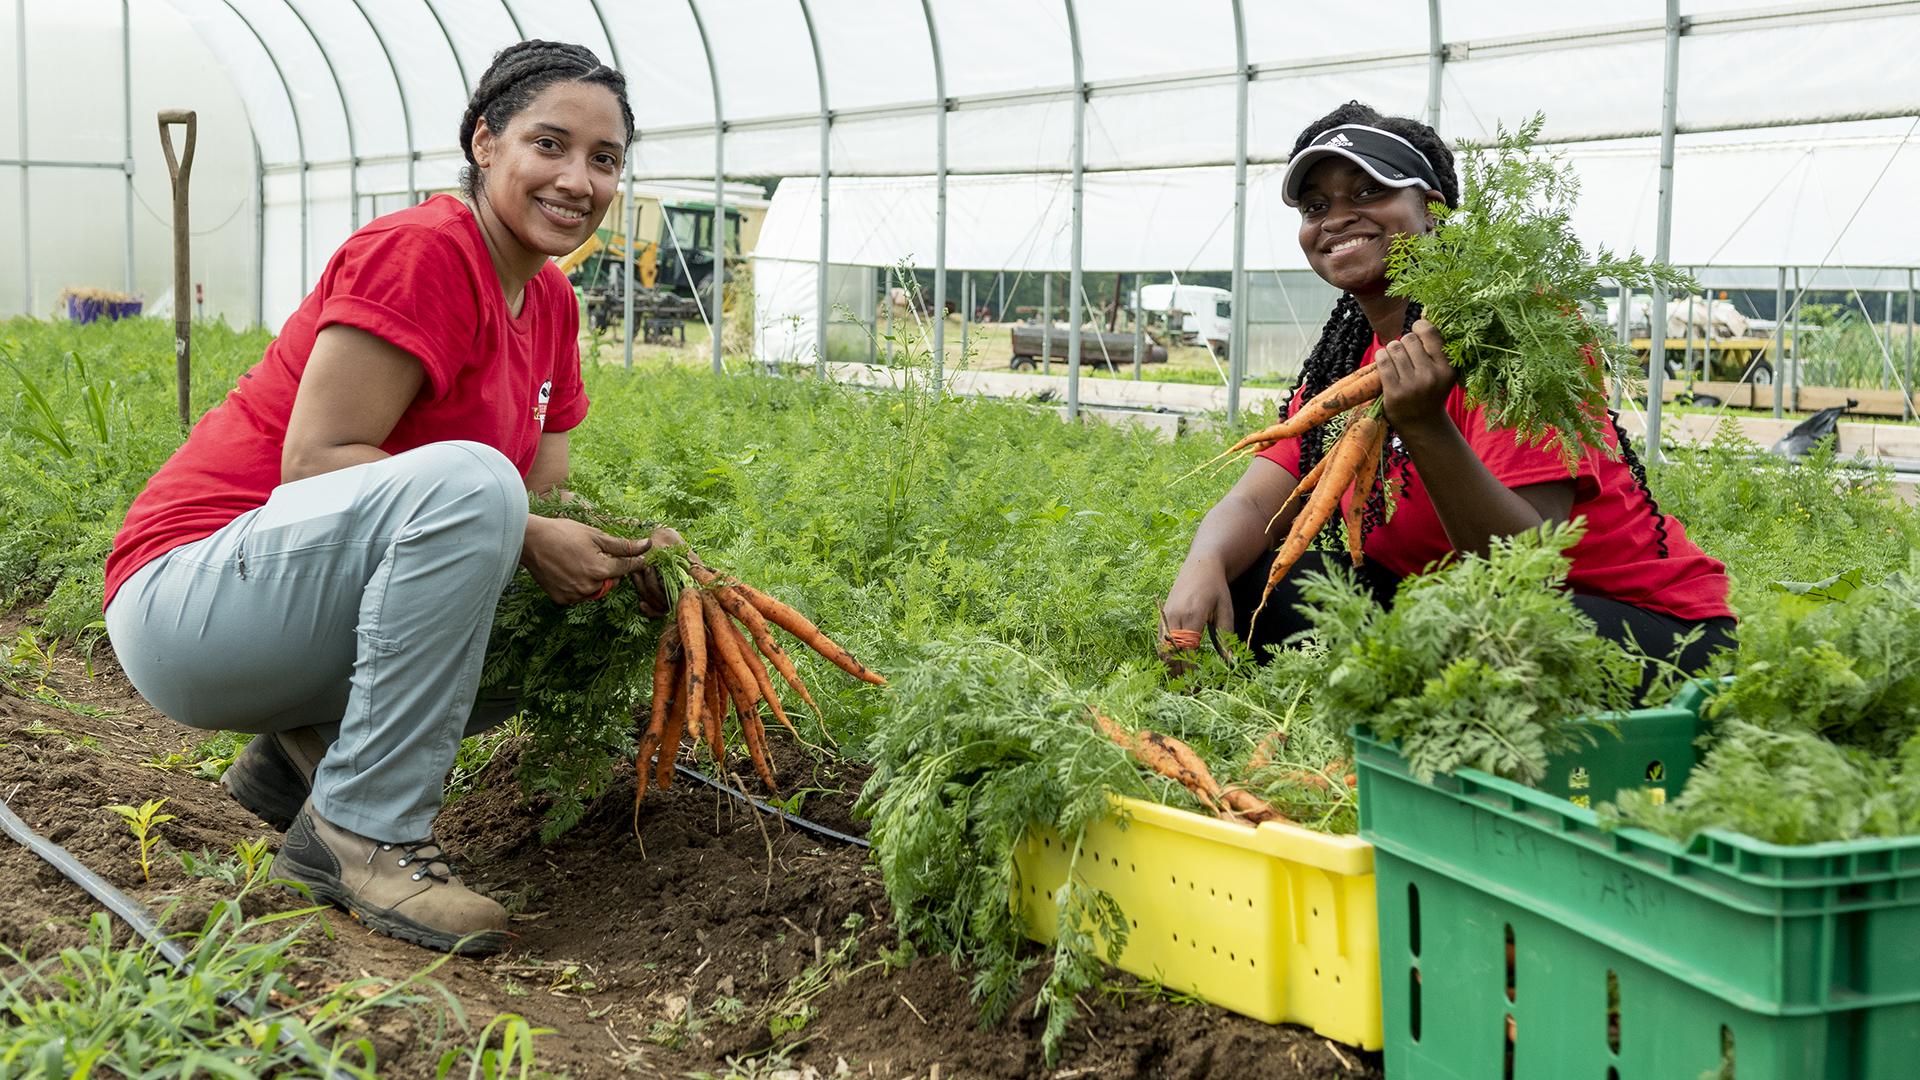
(273, 775)
(406, 890)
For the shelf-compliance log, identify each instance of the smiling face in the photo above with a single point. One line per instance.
(1348, 220)
(548, 178)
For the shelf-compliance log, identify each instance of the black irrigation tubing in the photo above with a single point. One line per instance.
(810, 826)
(134, 914)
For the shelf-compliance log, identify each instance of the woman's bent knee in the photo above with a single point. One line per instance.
(490, 490)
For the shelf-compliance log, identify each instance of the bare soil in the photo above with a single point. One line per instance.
(731, 944)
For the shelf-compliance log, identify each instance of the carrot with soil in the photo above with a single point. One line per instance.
(704, 664)
(1364, 477)
(1359, 388)
(668, 668)
(1347, 458)
(726, 641)
(1178, 762)
(756, 624)
(801, 627)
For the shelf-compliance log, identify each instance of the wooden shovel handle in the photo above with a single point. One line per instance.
(178, 169)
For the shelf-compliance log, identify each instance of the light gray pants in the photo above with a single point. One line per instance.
(357, 601)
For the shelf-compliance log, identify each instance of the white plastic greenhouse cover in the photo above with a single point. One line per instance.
(330, 83)
(1793, 124)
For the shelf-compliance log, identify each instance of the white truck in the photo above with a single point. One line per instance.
(1206, 313)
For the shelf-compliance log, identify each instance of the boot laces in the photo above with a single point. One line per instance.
(432, 861)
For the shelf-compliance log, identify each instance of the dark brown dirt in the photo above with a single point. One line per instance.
(679, 960)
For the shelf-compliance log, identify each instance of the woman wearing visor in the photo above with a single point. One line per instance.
(1358, 180)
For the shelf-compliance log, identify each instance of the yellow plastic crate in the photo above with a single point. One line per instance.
(1275, 922)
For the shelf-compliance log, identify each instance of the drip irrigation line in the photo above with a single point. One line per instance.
(136, 915)
(810, 826)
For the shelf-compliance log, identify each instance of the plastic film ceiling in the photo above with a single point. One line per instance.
(362, 98)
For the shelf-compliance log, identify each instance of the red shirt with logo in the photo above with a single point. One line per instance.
(421, 279)
(1618, 557)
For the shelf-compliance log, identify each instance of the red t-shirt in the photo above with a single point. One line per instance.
(1618, 557)
(420, 278)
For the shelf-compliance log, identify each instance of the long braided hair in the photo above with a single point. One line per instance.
(516, 76)
(1344, 339)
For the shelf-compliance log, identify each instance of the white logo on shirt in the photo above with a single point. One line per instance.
(540, 406)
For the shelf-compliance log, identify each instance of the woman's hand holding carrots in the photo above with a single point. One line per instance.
(1405, 389)
(1415, 378)
(1199, 598)
(573, 561)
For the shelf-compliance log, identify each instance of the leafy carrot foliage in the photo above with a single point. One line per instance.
(1482, 664)
(1502, 278)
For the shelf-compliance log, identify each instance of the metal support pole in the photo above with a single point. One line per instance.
(886, 297)
(873, 339)
(1000, 309)
(716, 314)
(1139, 331)
(632, 229)
(1662, 241)
(346, 116)
(1436, 59)
(26, 201)
(180, 170)
(826, 173)
(939, 199)
(1889, 322)
(1237, 347)
(1076, 226)
(126, 113)
(1624, 335)
(1046, 324)
(300, 148)
(1779, 339)
(259, 236)
(1706, 334)
(966, 313)
(400, 91)
(1794, 371)
(719, 308)
(1906, 404)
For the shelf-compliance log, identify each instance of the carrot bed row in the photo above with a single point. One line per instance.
(706, 663)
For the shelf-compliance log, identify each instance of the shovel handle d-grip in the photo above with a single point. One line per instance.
(178, 170)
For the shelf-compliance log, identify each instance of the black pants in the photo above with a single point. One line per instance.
(1653, 632)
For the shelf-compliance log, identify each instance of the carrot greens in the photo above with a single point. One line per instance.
(1480, 664)
(1818, 734)
(1502, 278)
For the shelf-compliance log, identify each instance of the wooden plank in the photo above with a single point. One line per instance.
(1871, 402)
(1812, 398)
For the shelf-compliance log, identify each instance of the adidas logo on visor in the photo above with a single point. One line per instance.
(1339, 139)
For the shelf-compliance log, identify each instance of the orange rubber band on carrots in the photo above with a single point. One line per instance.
(605, 588)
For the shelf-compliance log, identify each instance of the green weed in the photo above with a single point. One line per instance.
(503, 1049)
(249, 861)
(142, 822)
(206, 759)
(101, 1008)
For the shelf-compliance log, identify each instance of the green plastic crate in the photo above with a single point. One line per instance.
(1517, 939)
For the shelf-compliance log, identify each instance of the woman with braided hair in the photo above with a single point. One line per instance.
(1358, 180)
(318, 565)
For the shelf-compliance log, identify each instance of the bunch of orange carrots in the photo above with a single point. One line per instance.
(1178, 762)
(704, 664)
(1351, 466)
